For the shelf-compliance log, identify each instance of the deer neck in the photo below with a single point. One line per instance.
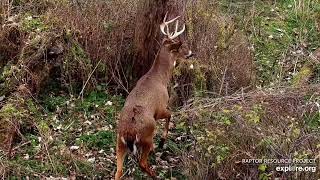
(162, 67)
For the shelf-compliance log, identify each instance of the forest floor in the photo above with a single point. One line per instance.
(69, 137)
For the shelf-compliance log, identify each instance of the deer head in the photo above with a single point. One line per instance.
(178, 49)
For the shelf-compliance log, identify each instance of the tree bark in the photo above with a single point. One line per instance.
(148, 38)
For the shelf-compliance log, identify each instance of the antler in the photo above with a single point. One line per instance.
(165, 24)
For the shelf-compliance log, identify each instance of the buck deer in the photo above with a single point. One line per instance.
(148, 102)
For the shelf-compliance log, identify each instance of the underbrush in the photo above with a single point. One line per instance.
(80, 44)
(273, 124)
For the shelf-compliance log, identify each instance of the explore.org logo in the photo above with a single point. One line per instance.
(296, 168)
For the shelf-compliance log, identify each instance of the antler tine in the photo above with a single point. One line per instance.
(176, 34)
(165, 17)
(172, 20)
(162, 26)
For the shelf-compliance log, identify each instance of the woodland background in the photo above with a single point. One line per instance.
(66, 67)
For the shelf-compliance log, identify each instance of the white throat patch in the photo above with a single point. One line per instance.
(174, 63)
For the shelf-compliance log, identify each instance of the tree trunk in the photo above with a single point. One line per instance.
(147, 33)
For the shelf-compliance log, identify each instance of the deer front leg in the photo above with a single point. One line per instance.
(121, 153)
(167, 115)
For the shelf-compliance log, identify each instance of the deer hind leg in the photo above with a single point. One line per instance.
(121, 153)
(146, 149)
(167, 115)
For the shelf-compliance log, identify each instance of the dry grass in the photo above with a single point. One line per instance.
(224, 62)
(11, 39)
(280, 123)
(104, 31)
(96, 39)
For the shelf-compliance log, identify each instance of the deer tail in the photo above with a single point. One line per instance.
(130, 141)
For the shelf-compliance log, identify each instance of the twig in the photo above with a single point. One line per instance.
(223, 79)
(85, 84)
(23, 144)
